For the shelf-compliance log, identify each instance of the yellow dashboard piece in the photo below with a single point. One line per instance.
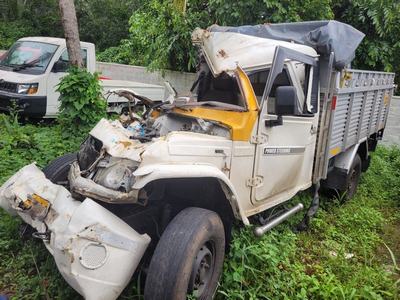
(240, 123)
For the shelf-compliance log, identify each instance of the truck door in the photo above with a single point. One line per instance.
(59, 69)
(284, 154)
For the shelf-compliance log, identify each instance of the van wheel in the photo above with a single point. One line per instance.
(57, 170)
(188, 258)
(353, 178)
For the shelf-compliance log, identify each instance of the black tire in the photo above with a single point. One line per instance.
(193, 240)
(353, 178)
(57, 170)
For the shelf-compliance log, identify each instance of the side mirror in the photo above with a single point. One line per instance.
(285, 104)
(59, 66)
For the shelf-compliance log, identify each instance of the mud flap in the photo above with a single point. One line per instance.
(95, 251)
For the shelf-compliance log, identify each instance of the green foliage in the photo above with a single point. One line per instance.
(44, 17)
(10, 31)
(379, 20)
(104, 22)
(163, 36)
(269, 11)
(21, 145)
(82, 103)
(160, 34)
(125, 53)
(26, 269)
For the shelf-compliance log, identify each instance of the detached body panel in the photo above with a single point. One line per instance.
(95, 251)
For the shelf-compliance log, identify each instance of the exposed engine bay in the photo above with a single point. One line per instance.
(110, 155)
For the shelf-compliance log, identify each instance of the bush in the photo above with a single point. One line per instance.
(160, 33)
(163, 36)
(82, 103)
(11, 31)
(122, 54)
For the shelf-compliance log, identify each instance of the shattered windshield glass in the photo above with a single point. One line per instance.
(28, 57)
(222, 91)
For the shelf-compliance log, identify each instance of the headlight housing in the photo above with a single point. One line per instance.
(27, 88)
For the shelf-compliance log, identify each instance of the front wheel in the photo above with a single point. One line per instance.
(188, 258)
(57, 170)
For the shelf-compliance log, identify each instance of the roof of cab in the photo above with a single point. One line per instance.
(225, 51)
(51, 40)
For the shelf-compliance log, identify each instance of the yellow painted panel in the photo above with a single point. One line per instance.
(247, 89)
(240, 123)
(334, 151)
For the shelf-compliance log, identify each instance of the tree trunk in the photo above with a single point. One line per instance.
(71, 32)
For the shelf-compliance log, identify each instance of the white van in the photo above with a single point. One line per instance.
(31, 69)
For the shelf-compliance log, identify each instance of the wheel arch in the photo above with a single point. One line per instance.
(338, 175)
(184, 177)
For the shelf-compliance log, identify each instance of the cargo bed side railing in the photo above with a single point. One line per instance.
(356, 109)
(362, 104)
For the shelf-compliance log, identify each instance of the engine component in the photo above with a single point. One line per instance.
(87, 187)
(115, 173)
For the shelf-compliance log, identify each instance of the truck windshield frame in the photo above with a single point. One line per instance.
(29, 57)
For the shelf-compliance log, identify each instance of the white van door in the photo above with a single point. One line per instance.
(58, 71)
(284, 158)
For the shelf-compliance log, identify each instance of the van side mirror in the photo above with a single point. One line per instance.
(285, 104)
(59, 66)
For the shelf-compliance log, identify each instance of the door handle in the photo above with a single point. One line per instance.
(273, 123)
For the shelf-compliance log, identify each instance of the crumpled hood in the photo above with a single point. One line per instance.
(174, 147)
(116, 140)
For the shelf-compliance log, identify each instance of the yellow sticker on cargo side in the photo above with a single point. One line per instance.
(386, 99)
(334, 151)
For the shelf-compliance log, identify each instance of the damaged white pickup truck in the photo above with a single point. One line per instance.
(268, 117)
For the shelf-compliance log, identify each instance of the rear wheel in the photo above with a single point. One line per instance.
(189, 257)
(57, 170)
(353, 178)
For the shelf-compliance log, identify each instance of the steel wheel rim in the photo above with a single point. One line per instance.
(202, 270)
(352, 182)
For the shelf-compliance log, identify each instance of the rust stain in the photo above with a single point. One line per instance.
(126, 144)
(222, 53)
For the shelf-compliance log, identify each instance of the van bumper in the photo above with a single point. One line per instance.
(31, 106)
(94, 250)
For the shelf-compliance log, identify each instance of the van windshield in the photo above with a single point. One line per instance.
(28, 57)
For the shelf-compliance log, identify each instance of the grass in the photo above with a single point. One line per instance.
(344, 255)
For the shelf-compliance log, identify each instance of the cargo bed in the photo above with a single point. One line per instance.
(356, 107)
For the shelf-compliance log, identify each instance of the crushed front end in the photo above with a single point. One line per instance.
(86, 240)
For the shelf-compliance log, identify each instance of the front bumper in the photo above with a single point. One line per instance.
(32, 106)
(95, 251)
